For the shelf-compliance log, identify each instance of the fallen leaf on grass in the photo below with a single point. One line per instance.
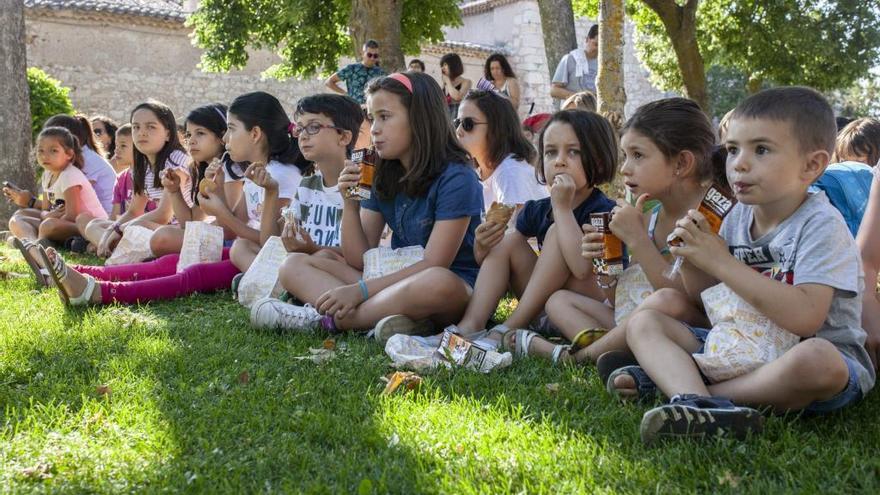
(323, 354)
(330, 344)
(104, 390)
(41, 471)
(408, 379)
(552, 388)
(244, 377)
(729, 479)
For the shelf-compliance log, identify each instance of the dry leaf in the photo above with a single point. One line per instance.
(41, 471)
(104, 390)
(408, 379)
(330, 344)
(552, 388)
(244, 377)
(729, 479)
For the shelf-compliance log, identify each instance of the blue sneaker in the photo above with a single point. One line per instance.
(692, 416)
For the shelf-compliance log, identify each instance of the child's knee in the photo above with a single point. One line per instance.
(444, 285)
(642, 325)
(165, 240)
(82, 221)
(819, 366)
(293, 264)
(48, 227)
(558, 302)
(666, 300)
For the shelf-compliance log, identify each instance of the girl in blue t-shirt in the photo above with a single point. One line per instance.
(578, 152)
(427, 191)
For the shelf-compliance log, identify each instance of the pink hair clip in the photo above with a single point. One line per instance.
(291, 128)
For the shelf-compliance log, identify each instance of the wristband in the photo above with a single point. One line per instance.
(117, 229)
(32, 202)
(363, 286)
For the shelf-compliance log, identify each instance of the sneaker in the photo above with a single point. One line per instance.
(272, 313)
(395, 324)
(692, 416)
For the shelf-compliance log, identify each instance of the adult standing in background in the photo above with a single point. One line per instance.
(357, 75)
(502, 77)
(578, 69)
(454, 85)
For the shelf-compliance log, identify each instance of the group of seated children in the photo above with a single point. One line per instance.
(726, 319)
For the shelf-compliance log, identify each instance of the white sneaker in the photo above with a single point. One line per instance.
(395, 324)
(272, 313)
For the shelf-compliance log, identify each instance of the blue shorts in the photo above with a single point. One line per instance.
(848, 396)
(228, 243)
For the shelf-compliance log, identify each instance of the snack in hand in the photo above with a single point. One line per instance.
(206, 187)
(499, 213)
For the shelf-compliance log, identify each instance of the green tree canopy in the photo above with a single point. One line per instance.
(309, 35)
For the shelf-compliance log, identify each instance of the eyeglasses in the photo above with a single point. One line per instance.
(311, 129)
(372, 55)
(467, 123)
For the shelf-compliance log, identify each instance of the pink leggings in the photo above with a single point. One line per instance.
(158, 279)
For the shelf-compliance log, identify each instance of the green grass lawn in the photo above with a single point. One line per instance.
(177, 415)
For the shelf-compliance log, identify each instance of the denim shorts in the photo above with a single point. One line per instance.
(848, 396)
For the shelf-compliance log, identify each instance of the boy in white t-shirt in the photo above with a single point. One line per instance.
(327, 127)
(790, 260)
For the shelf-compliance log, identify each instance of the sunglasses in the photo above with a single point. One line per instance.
(311, 129)
(372, 55)
(467, 123)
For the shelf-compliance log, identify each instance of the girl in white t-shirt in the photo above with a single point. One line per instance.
(258, 132)
(157, 151)
(489, 129)
(66, 190)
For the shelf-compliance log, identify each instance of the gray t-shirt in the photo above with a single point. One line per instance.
(566, 73)
(812, 246)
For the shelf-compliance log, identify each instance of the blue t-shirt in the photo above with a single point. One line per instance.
(536, 216)
(456, 193)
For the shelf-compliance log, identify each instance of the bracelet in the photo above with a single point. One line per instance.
(117, 229)
(32, 202)
(363, 286)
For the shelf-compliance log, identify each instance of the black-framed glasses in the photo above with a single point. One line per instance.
(311, 129)
(467, 123)
(372, 55)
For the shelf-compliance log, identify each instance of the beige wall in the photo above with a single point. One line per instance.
(111, 67)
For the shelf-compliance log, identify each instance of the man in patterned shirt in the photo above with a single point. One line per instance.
(357, 75)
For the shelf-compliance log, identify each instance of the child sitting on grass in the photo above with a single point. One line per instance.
(790, 259)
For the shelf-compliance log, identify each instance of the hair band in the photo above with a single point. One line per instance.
(291, 127)
(402, 79)
(222, 115)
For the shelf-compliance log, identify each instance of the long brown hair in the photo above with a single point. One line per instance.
(434, 145)
(139, 168)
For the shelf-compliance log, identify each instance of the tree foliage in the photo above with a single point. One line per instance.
(308, 35)
(47, 98)
(827, 44)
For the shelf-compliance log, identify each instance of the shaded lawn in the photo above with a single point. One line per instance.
(181, 417)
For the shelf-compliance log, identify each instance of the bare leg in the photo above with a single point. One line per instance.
(434, 293)
(308, 277)
(75, 283)
(167, 239)
(510, 263)
(56, 229)
(812, 370)
(95, 230)
(82, 222)
(243, 253)
(25, 223)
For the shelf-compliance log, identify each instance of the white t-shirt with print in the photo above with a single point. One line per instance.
(320, 208)
(178, 162)
(512, 182)
(288, 178)
(71, 176)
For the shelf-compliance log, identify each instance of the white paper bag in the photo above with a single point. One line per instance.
(633, 287)
(134, 246)
(261, 279)
(741, 340)
(381, 261)
(202, 243)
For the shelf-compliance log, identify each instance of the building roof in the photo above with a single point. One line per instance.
(168, 10)
(464, 48)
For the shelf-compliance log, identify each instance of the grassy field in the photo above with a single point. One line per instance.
(186, 397)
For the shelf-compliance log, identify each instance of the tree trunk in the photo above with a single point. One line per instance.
(610, 91)
(15, 112)
(557, 26)
(378, 20)
(681, 26)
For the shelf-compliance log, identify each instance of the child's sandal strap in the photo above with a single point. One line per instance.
(557, 352)
(586, 338)
(86, 295)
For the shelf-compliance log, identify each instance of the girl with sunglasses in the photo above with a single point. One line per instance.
(488, 128)
(426, 190)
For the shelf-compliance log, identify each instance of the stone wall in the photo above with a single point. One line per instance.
(112, 65)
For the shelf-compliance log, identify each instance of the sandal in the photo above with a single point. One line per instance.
(645, 387)
(76, 244)
(611, 361)
(524, 340)
(58, 272)
(24, 247)
(585, 338)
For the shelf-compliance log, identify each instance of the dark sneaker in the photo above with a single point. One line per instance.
(692, 416)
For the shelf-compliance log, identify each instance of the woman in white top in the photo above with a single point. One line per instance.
(489, 129)
(499, 72)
